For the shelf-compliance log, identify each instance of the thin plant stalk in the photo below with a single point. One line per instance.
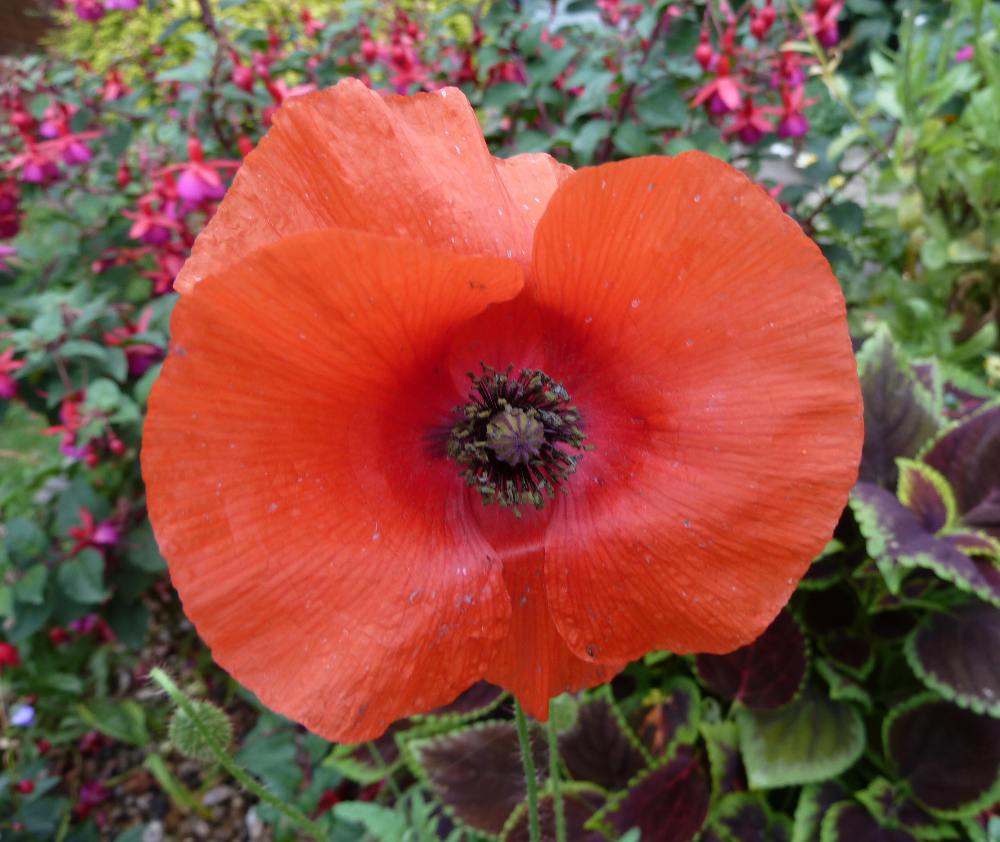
(530, 781)
(558, 808)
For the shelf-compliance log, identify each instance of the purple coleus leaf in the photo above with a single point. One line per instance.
(479, 699)
(900, 416)
(850, 822)
(897, 539)
(968, 455)
(926, 493)
(597, 748)
(767, 673)
(949, 756)
(668, 804)
(725, 763)
(476, 772)
(815, 802)
(579, 804)
(742, 817)
(892, 807)
(667, 716)
(957, 653)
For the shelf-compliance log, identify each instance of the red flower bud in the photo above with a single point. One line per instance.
(25, 787)
(704, 53)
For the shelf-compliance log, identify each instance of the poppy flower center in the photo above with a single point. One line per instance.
(513, 436)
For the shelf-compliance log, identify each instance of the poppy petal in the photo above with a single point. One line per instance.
(724, 408)
(414, 167)
(314, 531)
(533, 661)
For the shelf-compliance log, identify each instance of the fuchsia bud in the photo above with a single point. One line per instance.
(703, 53)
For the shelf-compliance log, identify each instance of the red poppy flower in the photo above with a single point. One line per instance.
(653, 339)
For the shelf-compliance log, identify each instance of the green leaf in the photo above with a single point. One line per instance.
(661, 106)
(82, 578)
(809, 740)
(847, 217)
(384, 823)
(31, 586)
(122, 721)
(632, 140)
(141, 550)
(585, 141)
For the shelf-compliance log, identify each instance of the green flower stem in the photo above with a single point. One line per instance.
(530, 781)
(243, 778)
(558, 809)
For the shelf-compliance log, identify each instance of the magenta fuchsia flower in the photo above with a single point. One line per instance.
(140, 355)
(89, 10)
(794, 122)
(722, 94)
(92, 534)
(966, 53)
(8, 365)
(122, 5)
(750, 124)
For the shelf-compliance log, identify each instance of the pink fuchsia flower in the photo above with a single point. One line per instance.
(966, 53)
(89, 10)
(8, 365)
(122, 5)
(75, 152)
(788, 72)
(151, 225)
(722, 94)
(114, 87)
(140, 355)
(794, 122)
(200, 181)
(822, 22)
(91, 534)
(750, 124)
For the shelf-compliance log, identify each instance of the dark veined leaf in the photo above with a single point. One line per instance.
(892, 807)
(476, 772)
(968, 455)
(668, 804)
(843, 687)
(815, 801)
(957, 653)
(850, 822)
(900, 416)
(809, 740)
(897, 540)
(722, 742)
(598, 749)
(767, 673)
(666, 717)
(580, 802)
(926, 493)
(742, 817)
(479, 699)
(949, 756)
